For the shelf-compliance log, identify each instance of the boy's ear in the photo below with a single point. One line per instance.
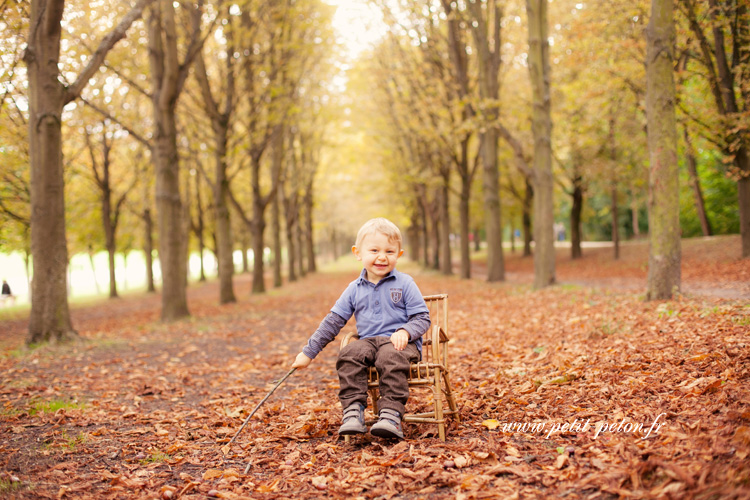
(401, 252)
(355, 251)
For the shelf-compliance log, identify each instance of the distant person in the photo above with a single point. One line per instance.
(7, 295)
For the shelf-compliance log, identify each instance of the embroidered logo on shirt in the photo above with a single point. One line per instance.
(396, 294)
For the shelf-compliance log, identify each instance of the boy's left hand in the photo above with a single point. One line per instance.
(399, 339)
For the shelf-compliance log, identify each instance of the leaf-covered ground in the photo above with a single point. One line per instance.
(582, 390)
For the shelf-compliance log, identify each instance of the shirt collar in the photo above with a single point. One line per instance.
(363, 277)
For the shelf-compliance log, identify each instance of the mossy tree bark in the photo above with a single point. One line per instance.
(539, 71)
(664, 206)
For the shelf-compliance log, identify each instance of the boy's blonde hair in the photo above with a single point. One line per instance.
(379, 225)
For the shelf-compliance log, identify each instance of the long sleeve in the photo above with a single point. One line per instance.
(326, 332)
(417, 325)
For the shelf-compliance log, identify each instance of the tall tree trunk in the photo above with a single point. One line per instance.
(613, 208)
(109, 228)
(277, 157)
(50, 315)
(742, 160)
(634, 215)
(257, 230)
(276, 242)
(544, 244)
(220, 123)
(309, 241)
(575, 216)
(664, 207)
(492, 223)
(168, 77)
(485, 29)
(223, 231)
(446, 264)
(93, 270)
(700, 206)
(245, 260)
(148, 248)
(291, 253)
(463, 214)
(298, 247)
(415, 240)
(528, 201)
(200, 228)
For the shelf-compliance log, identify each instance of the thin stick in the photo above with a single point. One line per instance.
(259, 405)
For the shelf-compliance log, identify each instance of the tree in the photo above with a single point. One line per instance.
(544, 245)
(50, 315)
(664, 209)
(168, 75)
(110, 212)
(728, 78)
(486, 31)
(221, 115)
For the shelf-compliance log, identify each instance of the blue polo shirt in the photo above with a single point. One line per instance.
(382, 308)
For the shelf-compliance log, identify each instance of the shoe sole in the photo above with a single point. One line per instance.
(351, 432)
(385, 433)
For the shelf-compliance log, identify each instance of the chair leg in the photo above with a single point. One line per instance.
(449, 396)
(374, 396)
(438, 399)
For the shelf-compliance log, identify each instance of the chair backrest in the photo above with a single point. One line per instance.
(438, 306)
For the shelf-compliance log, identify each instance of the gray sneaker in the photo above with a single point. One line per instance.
(388, 425)
(354, 420)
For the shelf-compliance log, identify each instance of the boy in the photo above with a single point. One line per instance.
(391, 318)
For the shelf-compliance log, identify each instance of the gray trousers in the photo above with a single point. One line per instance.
(355, 361)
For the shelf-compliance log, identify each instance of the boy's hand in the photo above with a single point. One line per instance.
(399, 339)
(301, 361)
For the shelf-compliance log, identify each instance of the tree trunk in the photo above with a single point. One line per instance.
(291, 253)
(492, 223)
(742, 160)
(166, 84)
(463, 215)
(544, 244)
(109, 227)
(244, 248)
(276, 242)
(93, 270)
(614, 209)
(277, 158)
(634, 215)
(664, 208)
(700, 206)
(50, 316)
(309, 241)
(299, 248)
(485, 29)
(446, 264)
(223, 231)
(148, 248)
(528, 200)
(257, 230)
(200, 228)
(575, 218)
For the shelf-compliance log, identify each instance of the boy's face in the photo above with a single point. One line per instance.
(378, 254)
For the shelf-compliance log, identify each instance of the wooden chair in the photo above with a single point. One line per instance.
(431, 372)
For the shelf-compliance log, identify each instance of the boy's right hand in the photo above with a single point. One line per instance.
(301, 361)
